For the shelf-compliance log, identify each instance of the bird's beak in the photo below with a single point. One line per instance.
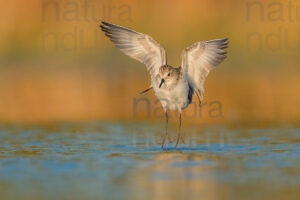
(162, 81)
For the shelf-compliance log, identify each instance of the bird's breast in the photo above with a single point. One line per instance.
(174, 98)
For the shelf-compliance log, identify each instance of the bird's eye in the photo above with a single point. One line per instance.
(168, 74)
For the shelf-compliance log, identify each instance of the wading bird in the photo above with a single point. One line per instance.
(174, 87)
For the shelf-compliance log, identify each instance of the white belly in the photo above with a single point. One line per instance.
(175, 98)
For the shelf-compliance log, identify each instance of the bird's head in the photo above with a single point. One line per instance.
(168, 74)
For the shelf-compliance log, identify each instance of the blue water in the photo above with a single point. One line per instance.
(107, 160)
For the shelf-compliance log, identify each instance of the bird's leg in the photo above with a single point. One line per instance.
(166, 134)
(179, 131)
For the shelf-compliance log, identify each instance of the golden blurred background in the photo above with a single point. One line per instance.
(56, 64)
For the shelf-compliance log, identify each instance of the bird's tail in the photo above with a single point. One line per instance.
(146, 90)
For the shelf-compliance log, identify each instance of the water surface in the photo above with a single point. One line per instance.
(125, 161)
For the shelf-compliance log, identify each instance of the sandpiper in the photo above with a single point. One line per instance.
(174, 87)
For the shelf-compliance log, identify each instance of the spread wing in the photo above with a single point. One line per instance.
(139, 46)
(199, 59)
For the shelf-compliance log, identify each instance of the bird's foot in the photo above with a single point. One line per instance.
(182, 140)
(170, 139)
(178, 139)
(163, 143)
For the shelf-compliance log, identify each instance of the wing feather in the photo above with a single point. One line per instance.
(137, 45)
(199, 59)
